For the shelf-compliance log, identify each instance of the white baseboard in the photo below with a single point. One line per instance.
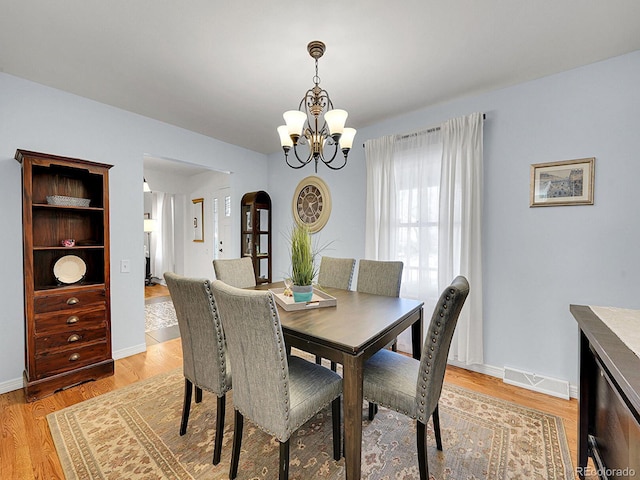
(549, 386)
(11, 385)
(17, 383)
(127, 352)
(479, 368)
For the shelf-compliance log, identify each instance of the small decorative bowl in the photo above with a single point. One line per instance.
(68, 242)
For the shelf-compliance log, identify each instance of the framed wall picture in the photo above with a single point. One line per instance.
(198, 219)
(569, 182)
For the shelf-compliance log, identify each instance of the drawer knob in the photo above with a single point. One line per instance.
(73, 319)
(74, 357)
(73, 338)
(73, 301)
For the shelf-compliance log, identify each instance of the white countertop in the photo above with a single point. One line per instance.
(625, 323)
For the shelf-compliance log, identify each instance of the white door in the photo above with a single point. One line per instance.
(222, 224)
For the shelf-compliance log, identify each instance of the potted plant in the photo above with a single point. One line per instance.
(303, 269)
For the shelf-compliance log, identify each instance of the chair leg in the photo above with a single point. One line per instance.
(237, 442)
(335, 416)
(217, 443)
(373, 409)
(394, 345)
(186, 406)
(198, 394)
(284, 461)
(421, 440)
(334, 366)
(436, 428)
(318, 360)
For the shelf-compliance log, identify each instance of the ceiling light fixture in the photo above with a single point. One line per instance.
(145, 186)
(316, 124)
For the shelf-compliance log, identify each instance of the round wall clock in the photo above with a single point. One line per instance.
(312, 203)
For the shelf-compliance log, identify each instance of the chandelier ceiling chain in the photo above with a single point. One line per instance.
(316, 124)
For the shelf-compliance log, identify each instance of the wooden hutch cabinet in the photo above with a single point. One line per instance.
(256, 233)
(65, 217)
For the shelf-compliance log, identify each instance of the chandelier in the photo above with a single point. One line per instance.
(316, 124)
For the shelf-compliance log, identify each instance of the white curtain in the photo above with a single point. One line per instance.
(460, 232)
(424, 207)
(162, 238)
(381, 196)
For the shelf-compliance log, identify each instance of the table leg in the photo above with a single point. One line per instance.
(416, 337)
(352, 399)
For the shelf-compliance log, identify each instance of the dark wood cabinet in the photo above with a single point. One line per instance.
(609, 404)
(255, 234)
(66, 284)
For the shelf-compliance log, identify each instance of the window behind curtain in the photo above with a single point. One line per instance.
(416, 160)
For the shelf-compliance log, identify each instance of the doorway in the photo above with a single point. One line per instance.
(174, 185)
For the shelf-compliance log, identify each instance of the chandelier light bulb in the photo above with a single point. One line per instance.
(336, 119)
(346, 140)
(285, 138)
(295, 122)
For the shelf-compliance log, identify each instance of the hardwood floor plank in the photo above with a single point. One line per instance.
(15, 457)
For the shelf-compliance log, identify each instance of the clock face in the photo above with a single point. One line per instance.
(312, 203)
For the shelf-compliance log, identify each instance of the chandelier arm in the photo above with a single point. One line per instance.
(302, 162)
(337, 168)
(335, 152)
(328, 163)
(286, 159)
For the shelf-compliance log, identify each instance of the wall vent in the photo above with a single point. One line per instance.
(538, 383)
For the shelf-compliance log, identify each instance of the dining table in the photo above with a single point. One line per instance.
(349, 333)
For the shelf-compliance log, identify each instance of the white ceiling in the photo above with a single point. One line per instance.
(228, 69)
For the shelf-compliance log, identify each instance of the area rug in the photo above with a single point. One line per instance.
(132, 433)
(159, 315)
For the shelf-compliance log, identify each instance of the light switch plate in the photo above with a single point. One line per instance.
(125, 266)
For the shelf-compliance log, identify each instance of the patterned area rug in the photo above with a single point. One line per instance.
(132, 433)
(159, 315)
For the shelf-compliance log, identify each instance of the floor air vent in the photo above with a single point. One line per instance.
(538, 383)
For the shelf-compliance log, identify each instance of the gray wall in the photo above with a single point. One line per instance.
(38, 118)
(537, 261)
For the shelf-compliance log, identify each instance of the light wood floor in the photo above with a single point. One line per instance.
(27, 450)
(155, 291)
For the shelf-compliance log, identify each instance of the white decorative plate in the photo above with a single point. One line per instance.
(69, 269)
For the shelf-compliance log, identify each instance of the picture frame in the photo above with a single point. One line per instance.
(198, 219)
(568, 182)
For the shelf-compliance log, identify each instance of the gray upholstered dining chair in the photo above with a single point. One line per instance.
(295, 388)
(205, 362)
(413, 387)
(237, 272)
(336, 272)
(380, 277)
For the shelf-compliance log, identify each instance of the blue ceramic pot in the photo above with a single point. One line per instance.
(302, 293)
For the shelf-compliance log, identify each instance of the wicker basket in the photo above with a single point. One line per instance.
(68, 201)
